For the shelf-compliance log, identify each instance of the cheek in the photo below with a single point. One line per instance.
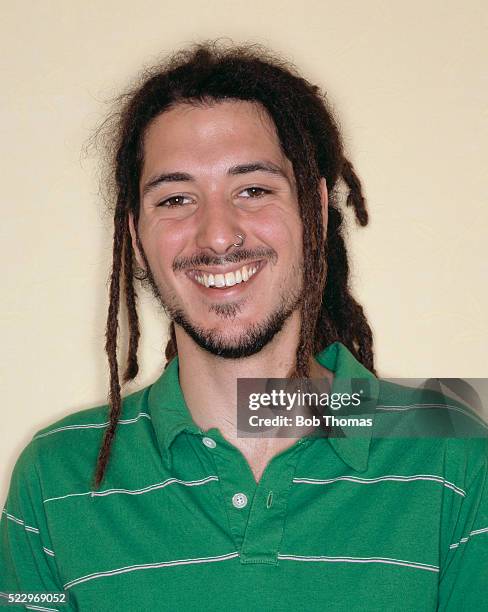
(280, 231)
(162, 242)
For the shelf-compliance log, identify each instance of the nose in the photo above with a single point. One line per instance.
(217, 226)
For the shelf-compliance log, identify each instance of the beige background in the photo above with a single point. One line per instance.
(410, 84)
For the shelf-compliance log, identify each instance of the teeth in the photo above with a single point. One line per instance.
(228, 279)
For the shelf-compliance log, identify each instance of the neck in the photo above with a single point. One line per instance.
(209, 386)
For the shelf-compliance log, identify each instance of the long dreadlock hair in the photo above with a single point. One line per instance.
(310, 139)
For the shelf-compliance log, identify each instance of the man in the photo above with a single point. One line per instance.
(226, 166)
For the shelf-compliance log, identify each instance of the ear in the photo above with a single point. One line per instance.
(324, 198)
(135, 246)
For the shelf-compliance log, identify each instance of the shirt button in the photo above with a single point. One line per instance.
(239, 500)
(209, 443)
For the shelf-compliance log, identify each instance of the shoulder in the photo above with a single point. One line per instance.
(134, 407)
(67, 449)
(420, 408)
(434, 426)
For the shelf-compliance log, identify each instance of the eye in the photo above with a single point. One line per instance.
(174, 201)
(254, 192)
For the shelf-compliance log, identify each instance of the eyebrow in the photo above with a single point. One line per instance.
(256, 166)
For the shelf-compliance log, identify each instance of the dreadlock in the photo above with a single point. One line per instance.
(310, 139)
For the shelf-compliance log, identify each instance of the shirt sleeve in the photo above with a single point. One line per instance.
(27, 558)
(463, 581)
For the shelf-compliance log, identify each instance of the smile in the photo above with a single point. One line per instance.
(227, 279)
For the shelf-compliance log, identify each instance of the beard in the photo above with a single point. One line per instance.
(251, 340)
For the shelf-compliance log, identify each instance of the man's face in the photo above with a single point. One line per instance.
(211, 172)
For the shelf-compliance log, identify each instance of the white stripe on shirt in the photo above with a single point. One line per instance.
(153, 487)
(133, 568)
(93, 425)
(407, 407)
(388, 561)
(471, 533)
(13, 518)
(390, 477)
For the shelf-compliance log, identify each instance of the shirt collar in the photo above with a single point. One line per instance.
(349, 376)
(170, 414)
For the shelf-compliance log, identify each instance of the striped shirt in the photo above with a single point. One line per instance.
(341, 523)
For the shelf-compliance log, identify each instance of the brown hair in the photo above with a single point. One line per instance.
(310, 139)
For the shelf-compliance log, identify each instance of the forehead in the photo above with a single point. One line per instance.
(213, 135)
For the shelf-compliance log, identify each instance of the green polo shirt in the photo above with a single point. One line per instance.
(343, 523)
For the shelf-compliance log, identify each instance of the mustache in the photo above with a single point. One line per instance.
(242, 255)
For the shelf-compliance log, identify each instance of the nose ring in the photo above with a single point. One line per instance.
(241, 242)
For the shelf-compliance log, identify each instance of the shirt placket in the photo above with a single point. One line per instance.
(237, 484)
(256, 512)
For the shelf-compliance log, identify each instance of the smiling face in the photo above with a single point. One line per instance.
(212, 172)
